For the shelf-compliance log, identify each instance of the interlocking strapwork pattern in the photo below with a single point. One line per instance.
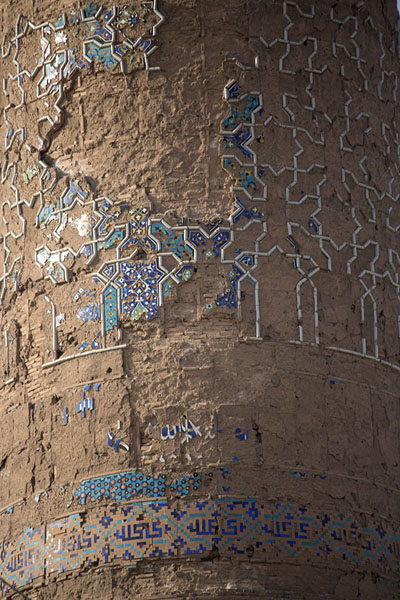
(315, 177)
(316, 152)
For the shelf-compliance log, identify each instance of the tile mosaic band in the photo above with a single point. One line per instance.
(231, 527)
(128, 484)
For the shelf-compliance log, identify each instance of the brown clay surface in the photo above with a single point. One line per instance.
(285, 395)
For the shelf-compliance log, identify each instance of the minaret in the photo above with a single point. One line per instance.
(200, 287)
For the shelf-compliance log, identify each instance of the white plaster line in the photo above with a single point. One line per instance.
(345, 351)
(54, 363)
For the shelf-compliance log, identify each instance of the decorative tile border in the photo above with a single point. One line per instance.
(128, 484)
(231, 527)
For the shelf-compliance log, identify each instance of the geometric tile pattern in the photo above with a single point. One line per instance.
(138, 283)
(248, 157)
(111, 308)
(248, 136)
(43, 60)
(157, 529)
(123, 37)
(22, 561)
(126, 485)
(137, 287)
(118, 232)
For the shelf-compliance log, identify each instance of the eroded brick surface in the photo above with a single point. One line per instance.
(199, 300)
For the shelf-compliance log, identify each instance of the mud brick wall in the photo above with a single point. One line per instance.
(199, 300)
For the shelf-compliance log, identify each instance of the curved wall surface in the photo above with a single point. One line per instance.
(200, 295)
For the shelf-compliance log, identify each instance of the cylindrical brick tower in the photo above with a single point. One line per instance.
(200, 292)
